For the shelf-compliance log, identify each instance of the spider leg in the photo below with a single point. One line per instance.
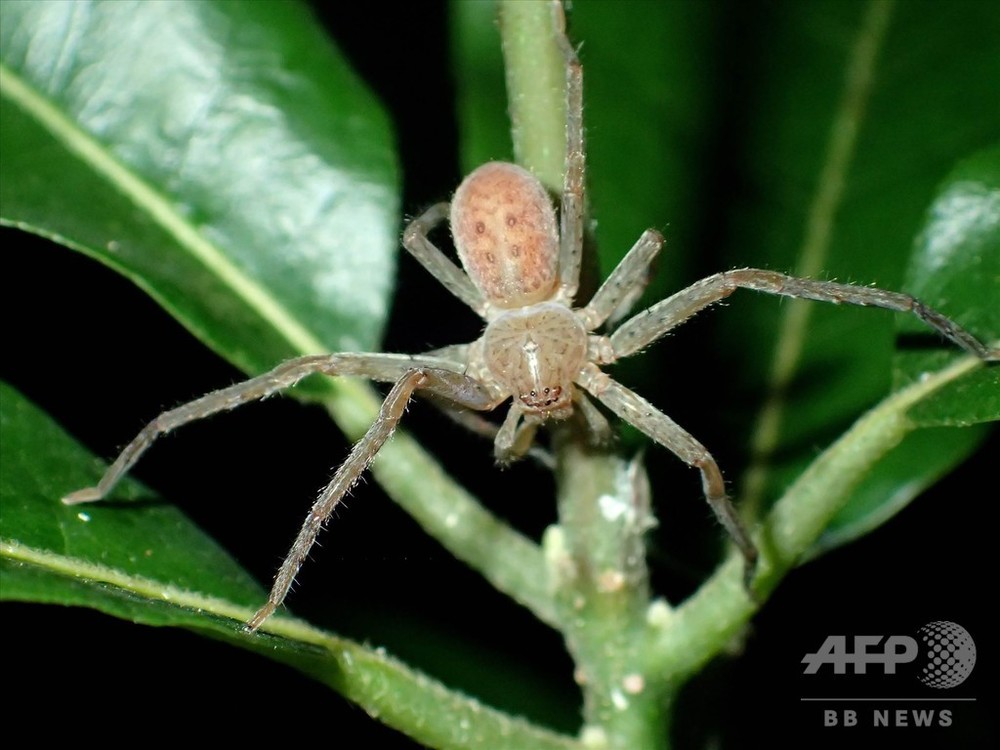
(571, 210)
(458, 388)
(383, 367)
(654, 322)
(626, 283)
(442, 268)
(638, 412)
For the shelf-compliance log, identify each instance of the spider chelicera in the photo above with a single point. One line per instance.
(519, 272)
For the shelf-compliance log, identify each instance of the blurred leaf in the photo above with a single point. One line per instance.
(649, 100)
(927, 105)
(481, 93)
(182, 144)
(921, 459)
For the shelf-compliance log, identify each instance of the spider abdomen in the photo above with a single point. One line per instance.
(504, 227)
(535, 353)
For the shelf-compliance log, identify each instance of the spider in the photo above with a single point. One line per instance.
(520, 269)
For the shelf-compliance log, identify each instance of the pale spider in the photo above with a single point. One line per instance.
(540, 352)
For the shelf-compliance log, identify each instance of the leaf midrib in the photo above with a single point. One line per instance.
(146, 588)
(158, 208)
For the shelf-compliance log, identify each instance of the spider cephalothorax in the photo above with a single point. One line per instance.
(520, 271)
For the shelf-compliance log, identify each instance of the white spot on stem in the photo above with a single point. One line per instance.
(614, 508)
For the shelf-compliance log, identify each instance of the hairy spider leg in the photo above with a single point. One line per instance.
(455, 387)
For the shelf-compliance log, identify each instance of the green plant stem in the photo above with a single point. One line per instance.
(631, 656)
(598, 563)
(705, 623)
(536, 88)
(596, 554)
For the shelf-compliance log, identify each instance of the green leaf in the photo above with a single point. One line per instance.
(182, 144)
(956, 257)
(150, 545)
(147, 563)
(841, 155)
(481, 94)
(922, 458)
(648, 149)
(957, 260)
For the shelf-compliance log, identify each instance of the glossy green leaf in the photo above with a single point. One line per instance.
(956, 257)
(221, 155)
(147, 563)
(139, 540)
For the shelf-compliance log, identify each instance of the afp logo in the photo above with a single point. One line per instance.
(944, 651)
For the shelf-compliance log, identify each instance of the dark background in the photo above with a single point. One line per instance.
(377, 577)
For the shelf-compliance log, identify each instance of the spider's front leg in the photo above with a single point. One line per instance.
(381, 367)
(651, 324)
(638, 412)
(455, 387)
